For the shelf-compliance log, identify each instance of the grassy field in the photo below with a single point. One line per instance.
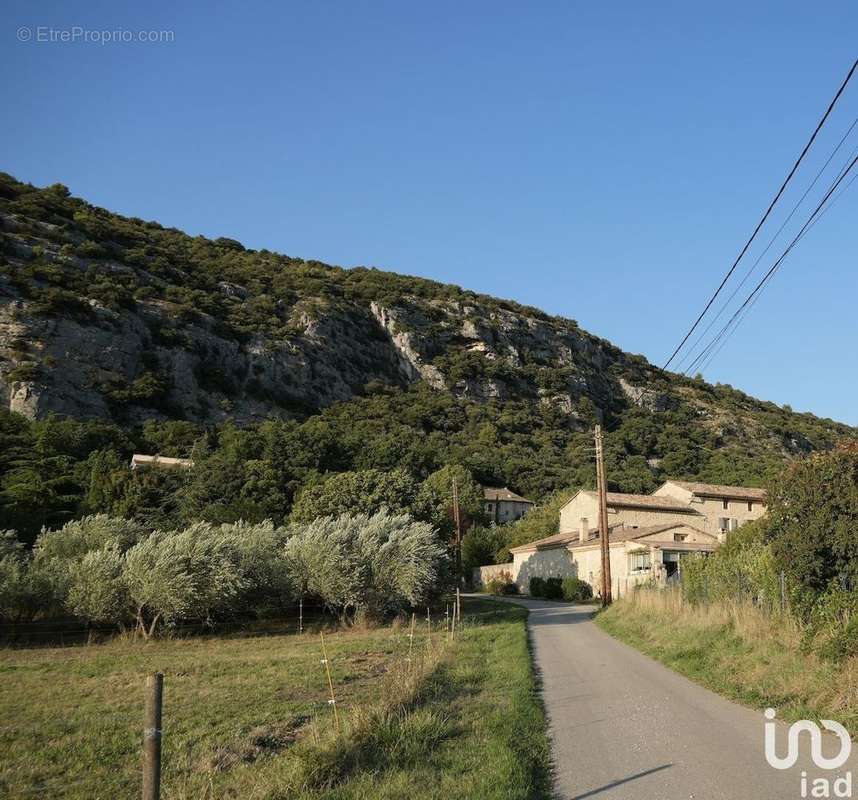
(247, 716)
(740, 652)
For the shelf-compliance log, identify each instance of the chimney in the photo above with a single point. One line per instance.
(584, 532)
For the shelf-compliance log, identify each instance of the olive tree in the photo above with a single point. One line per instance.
(366, 564)
(58, 553)
(23, 591)
(191, 574)
(97, 588)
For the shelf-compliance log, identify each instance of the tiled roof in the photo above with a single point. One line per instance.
(562, 539)
(659, 503)
(490, 493)
(616, 533)
(717, 490)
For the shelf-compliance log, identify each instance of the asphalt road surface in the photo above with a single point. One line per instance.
(623, 726)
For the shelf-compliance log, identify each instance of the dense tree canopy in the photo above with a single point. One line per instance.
(812, 520)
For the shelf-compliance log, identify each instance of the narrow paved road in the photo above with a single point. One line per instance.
(623, 726)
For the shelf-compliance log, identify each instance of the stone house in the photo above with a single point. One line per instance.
(709, 507)
(502, 505)
(648, 534)
(629, 509)
(724, 508)
(638, 554)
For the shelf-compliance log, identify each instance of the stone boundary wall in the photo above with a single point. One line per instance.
(484, 574)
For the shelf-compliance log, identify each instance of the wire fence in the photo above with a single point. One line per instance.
(71, 632)
(331, 675)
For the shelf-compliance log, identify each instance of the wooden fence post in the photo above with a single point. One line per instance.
(411, 637)
(152, 737)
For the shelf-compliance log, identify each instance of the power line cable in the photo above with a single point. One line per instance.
(739, 321)
(689, 352)
(816, 213)
(765, 216)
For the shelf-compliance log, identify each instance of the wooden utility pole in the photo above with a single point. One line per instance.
(457, 518)
(152, 737)
(603, 519)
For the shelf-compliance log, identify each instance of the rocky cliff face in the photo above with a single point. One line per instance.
(117, 364)
(112, 365)
(112, 318)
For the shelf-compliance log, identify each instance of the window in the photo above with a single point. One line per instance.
(680, 537)
(491, 507)
(638, 562)
(726, 504)
(750, 506)
(723, 524)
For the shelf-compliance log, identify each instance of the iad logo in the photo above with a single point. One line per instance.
(820, 787)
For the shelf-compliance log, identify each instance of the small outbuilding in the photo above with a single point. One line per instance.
(503, 505)
(140, 461)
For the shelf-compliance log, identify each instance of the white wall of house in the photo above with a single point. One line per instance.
(586, 505)
(581, 505)
(586, 562)
(502, 511)
(554, 562)
(714, 509)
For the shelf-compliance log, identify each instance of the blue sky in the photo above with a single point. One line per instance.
(605, 162)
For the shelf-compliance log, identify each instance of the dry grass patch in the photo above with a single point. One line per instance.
(740, 651)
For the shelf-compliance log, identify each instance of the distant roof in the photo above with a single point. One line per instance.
(616, 533)
(620, 500)
(717, 490)
(140, 460)
(491, 493)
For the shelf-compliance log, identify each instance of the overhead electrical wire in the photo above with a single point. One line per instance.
(741, 318)
(690, 351)
(765, 216)
(817, 212)
(708, 353)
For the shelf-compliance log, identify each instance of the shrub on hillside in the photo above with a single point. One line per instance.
(480, 547)
(575, 590)
(366, 491)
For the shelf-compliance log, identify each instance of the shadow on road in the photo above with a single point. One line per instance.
(614, 784)
(545, 612)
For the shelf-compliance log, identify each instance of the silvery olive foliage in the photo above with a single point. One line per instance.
(23, 593)
(107, 570)
(369, 564)
(97, 587)
(58, 554)
(190, 574)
